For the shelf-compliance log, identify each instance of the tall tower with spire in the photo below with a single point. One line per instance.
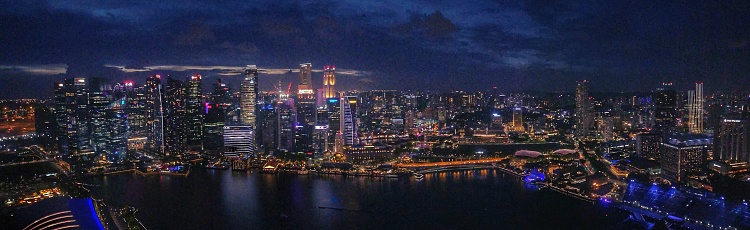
(304, 89)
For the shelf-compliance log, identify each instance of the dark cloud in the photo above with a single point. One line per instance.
(516, 45)
(196, 34)
(434, 25)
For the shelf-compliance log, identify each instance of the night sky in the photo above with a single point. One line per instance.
(540, 45)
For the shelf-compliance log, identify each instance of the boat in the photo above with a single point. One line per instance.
(419, 176)
(391, 176)
(303, 172)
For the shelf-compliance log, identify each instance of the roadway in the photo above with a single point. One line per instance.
(26, 162)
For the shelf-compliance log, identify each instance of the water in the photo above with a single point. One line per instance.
(216, 199)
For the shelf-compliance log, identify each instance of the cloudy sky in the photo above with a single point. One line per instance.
(541, 45)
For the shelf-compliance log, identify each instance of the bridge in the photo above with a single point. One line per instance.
(433, 167)
(452, 163)
(454, 168)
(26, 162)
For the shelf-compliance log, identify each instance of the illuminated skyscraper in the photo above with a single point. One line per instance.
(682, 155)
(517, 119)
(665, 109)
(348, 127)
(333, 105)
(98, 101)
(647, 145)
(175, 122)
(136, 111)
(732, 141)
(194, 112)
(285, 117)
(329, 81)
(306, 111)
(116, 120)
(695, 109)
(304, 89)
(238, 141)
(249, 96)
(72, 116)
(217, 110)
(583, 113)
(154, 109)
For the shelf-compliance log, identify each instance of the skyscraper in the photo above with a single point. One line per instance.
(249, 96)
(194, 113)
(136, 111)
(647, 145)
(682, 155)
(347, 123)
(72, 116)
(583, 110)
(329, 81)
(333, 105)
(665, 109)
(217, 110)
(306, 112)
(732, 140)
(304, 89)
(175, 122)
(695, 109)
(98, 99)
(238, 141)
(517, 125)
(285, 117)
(154, 110)
(116, 119)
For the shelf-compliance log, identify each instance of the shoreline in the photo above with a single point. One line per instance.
(136, 171)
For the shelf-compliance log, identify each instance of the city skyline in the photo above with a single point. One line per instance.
(441, 115)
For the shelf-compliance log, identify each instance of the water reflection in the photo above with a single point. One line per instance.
(240, 200)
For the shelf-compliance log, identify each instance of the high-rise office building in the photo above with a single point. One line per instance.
(606, 127)
(44, 123)
(175, 121)
(682, 156)
(329, 81)
(71, 113)
(285, 119)
(732, 140)
(583, 114)
(136, 111)
(116, 119)
(72, 116)
(98, 100)
(517, 125)
(647, 145)
(217, 110)
(304, 125)
(194, 113)
(304, 89)
(665, 115)
(348, 128)
(249, 97)
(305, 107)
(695, 109)
(333, 105)
(154, 110)
(238, 141)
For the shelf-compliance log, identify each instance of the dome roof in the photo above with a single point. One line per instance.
(565, 151)
(527, 153)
